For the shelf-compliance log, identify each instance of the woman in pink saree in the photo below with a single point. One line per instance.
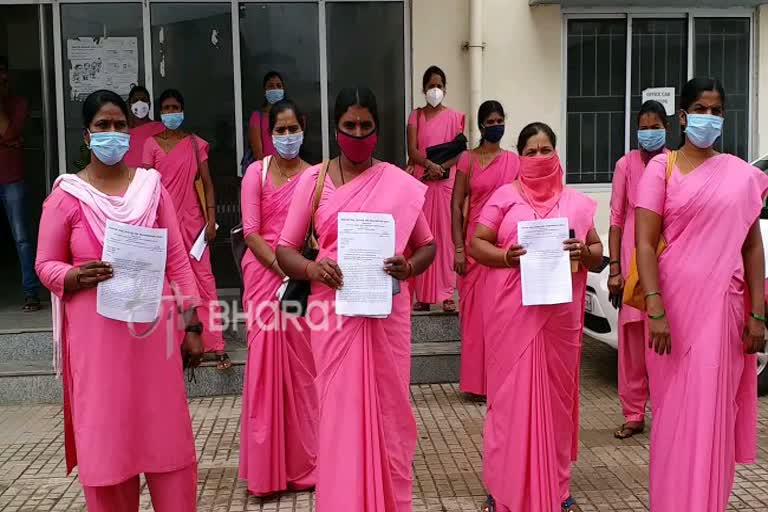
(259, 134)
(278, 435)
(480, 173)
(140, 125)
(428, 126)
(702, 367)
(532, 352)
(633, 378)
(367, 431)
(125, 406)
(179, 157)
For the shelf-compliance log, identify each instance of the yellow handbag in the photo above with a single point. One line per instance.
(634, 295)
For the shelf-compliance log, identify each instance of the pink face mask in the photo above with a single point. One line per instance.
(541, 181)
(357, 149)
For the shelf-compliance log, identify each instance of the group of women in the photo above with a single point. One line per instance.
(329, 407)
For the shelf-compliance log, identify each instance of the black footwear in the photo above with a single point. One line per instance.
(31, 304)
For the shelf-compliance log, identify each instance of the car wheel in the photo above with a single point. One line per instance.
(762, 373)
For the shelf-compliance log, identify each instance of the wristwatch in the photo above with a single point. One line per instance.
(194, 328)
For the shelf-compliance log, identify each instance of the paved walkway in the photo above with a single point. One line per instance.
(610, 476)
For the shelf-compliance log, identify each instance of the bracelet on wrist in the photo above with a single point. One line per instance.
(657, 317)
(194, 328)
(506, 259)
(652, 294)
(615, 262)
(617, 274)
(759, 317)
(410, 269)
(460, 249)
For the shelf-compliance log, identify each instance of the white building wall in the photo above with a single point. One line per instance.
(762, 85)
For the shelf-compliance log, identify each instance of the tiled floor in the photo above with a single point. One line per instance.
(610, 476)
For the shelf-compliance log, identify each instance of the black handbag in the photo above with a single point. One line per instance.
(295, 299)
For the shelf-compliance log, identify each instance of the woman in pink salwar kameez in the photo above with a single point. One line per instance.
(278, 435)
(532, 352)
(367, 431)
(479, 173)
(125, 406)
(429, 126)
(633, 378)
(179, 157)
(140, 125)
(705, 297)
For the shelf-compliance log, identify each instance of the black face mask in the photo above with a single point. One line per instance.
(493, 134)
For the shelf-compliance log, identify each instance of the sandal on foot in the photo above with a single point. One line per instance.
(31, 304)
(568, 504)
(490, 504)
(625, 432)
(420, 307)
(449, 306)
(223, 362)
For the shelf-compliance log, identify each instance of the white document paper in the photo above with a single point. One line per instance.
(764, 234)
(198, 247)
(545, 269)
(365, 241)
(137, 256)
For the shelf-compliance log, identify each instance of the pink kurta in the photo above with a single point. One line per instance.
(438, 283)
(367, 432)
(178, 170)
(532, 357)
(278, 437)
(139, 136)
(261, 119)
(633, 378)
(125, 405)
(703, 394)
(484, 182)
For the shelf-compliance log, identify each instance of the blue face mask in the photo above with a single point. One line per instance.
(288, 146)
(493, 133)
(109, 147)
(652, 140)
(703, 129)
(274, 95)
(172, 121)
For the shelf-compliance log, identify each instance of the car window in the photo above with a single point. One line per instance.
(762, 164)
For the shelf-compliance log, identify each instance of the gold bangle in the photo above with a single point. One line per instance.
(506, 261)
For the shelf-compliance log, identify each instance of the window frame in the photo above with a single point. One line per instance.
(59, 72)
(629, 14)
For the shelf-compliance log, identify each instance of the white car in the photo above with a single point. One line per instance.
(601, 319)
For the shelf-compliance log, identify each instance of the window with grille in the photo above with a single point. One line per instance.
(601, 113)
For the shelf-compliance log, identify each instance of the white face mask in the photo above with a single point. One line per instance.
(140, 109)
(435, 96)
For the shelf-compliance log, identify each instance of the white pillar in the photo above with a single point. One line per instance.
(475, 66)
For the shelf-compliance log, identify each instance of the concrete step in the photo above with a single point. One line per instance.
(33, 381)
(431, 327)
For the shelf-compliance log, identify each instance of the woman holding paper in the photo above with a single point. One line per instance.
(429, 126)
(125, 406)
(479, 173)
(367, 432)
(633, 379)
(702, 367)
(278, 435)
(532, 352)
(181, 158)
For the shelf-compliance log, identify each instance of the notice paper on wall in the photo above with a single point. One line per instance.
(365, 240)
(664, 95)
(545, 269)
(137, 255)
(102, 63)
